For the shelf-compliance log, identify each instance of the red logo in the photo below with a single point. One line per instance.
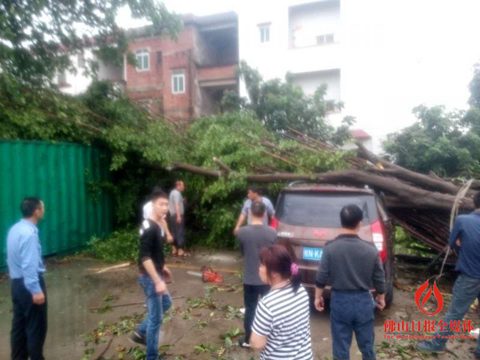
(421, 297)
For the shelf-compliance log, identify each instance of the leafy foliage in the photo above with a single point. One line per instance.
(142, 149)
(475, 88)
(103, 117)
(281, 105)
(37, 37)
(447, 143)
(118, 246)
(236, 139)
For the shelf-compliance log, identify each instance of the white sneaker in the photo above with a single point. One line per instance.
(243, 344)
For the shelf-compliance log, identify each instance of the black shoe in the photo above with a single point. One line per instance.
(242, 343)
(137, 338)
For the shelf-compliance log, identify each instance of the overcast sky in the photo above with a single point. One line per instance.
(434, 41)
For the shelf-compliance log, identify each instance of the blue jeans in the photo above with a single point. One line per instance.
(157, 305)
(352, 311)
(465, 291)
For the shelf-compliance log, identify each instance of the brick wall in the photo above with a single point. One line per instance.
(152, 88)
(165, 55)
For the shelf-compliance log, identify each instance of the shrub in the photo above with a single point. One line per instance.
(121, 245)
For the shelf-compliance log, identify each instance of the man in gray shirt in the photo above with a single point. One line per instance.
(177, 218)
(352, 266)
(252, 239)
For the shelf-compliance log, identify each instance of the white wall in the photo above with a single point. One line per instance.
(310, 65)
(78, 82)
(306, 22)
(309, 82)
(393, 55)
(275, 58)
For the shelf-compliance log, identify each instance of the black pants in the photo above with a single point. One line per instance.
(251, 295)
(178, 231)
(29, 324)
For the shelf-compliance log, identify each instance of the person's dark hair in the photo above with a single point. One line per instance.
(155, 189)
(350, 216)
(476, 200)
(29, 205)
(258, 209)
(158, 194)
(255, 189)
(276, 258)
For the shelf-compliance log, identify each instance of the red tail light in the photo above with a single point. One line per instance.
(379, 240)
(274, 223)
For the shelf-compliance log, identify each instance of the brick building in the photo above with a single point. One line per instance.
(185, 78)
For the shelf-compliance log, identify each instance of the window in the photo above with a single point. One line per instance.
(178, 81)
(264, 32)
(325, 39)
(321, 209)
(142, 60)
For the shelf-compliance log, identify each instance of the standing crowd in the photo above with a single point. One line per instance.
(277, 306)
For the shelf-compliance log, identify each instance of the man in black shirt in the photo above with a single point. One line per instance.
(153, 274)
(352, 266)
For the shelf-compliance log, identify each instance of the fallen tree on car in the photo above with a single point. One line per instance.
(420, 203)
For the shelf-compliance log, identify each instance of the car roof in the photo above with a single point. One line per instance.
(311, 187)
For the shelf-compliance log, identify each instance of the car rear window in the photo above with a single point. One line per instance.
(319, 209)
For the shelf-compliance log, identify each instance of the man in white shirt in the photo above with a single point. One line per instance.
(176, 210)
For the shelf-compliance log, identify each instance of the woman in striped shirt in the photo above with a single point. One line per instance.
(281, 328)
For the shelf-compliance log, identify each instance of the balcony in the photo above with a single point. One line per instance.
(217, 76)
(314, 58)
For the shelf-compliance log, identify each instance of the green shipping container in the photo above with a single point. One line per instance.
(68, 178)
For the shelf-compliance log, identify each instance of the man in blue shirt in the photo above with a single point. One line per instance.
(25, 267)
(254, 194)
(465, 239)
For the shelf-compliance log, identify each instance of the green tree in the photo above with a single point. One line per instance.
(36, 36)
(281, 105)
(447, 143)
(474, 100)
(237, 139)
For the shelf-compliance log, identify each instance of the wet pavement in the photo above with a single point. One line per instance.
(93, 307)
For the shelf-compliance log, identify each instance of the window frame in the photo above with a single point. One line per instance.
(144, 53)
(176, 75)
(264, 32)
(325, 39)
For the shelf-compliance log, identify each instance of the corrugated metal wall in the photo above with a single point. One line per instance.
(67, 177)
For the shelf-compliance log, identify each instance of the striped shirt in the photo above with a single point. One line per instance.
(284, 318)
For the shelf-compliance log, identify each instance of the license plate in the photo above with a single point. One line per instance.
(314, 254)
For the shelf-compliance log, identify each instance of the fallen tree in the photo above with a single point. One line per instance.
(420, 203)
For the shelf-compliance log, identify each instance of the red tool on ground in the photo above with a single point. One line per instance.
(211, 276)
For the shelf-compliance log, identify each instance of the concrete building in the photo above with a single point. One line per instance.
(380, 58)
(185, 78)
(76, 82)
(297, 37)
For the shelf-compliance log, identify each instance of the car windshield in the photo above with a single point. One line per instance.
(316, 209)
